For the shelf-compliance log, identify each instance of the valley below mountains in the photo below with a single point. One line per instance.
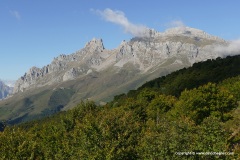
(98, 74)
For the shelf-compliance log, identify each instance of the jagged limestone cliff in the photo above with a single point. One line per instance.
(180, 47)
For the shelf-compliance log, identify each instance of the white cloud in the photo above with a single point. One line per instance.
(232, 48)
(175, 23)
(119, 18)
(15, 14)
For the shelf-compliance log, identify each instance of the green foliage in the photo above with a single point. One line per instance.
(146, 95)
(2, 126)
(110, 136)
(162, 140)
(212, 136)
(159, 106)
(205, 101)
(233, 85)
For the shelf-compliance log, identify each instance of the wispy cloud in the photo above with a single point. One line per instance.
(175, 23)
(15, 14)
(231, 49)
(119, 18)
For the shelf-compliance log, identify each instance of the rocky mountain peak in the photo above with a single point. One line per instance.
(180, 32)
(151, 33)
(95, 45)
(190, 32)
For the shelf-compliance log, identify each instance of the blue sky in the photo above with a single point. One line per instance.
(32, 33)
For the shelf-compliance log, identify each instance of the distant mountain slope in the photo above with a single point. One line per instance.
(9, 83)
(200, 73)
(4, 90)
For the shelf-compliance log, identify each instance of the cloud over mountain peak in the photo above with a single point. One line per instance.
(119, 18)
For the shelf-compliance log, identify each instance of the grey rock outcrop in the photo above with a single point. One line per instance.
(174, 48)
(61, 68)
(70, 75)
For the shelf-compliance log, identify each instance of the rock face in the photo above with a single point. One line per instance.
(4, 90)
(176, 47)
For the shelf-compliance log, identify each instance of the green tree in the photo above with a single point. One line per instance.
(212, 137)
(160, 105)
(164, 140)
(205, 101)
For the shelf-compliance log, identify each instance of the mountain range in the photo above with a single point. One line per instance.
(175, 47)
(99, 74)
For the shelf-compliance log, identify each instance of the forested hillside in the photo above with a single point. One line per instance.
(199, 74)
(192, 110)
